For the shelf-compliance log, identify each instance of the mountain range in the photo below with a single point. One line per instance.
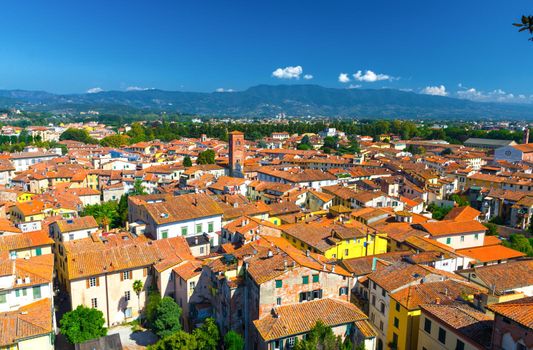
(268, 100)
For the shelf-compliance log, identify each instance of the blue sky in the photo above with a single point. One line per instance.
(459, 48)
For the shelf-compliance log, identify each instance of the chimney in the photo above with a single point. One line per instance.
(437, 301)
(269, 254)
(307, 252)
(526, 135)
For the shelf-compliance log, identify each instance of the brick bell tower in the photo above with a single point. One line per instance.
(236, 154)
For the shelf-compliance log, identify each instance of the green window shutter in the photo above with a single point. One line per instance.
(37, 292)
(3, 298)
(198, 228)
(184, 231)
(210, 227)
(315, 278)
(279, 283)
(305, 279)
(38, 251)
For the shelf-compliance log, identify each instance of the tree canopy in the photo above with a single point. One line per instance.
(205, 337)
(82, 324)
(80, 135)
(206, 157)
(167, 317)
(526, 24)
(322, 337)
(233, 341)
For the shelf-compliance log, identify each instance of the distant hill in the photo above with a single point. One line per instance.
(269, 100)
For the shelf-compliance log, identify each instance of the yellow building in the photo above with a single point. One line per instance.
(25, 197)
(404, 308)
(335, 241)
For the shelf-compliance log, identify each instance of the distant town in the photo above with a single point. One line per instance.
(267, 234)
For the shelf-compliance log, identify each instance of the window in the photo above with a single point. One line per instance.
(278, 301)
(374, 300)
(92, 282)
(315, 278)
(24, 292)
(202, 250)
(126, 275)
(127, 295)
(198, 228)
(394, 340)
(396, 322)
(476, 236)
(70, 236)
(184, 231)
(3, 298)
(38, 251)
(94, 303)
(305, 279)
(279, 283)
(462, 238)
(192, 285)
(382, 307)
(374, 285)
(448, 240)
(127, 312)
(37, 292)
(343, 291)
(383, 293)
(290, 342)
(381, 325)
(427, 325)
(460, 345)
(164, 234)
(346, 252)
(442, 335)
(397, 306)
(210, 226)
(17, 293)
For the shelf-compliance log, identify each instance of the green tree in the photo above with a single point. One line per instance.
(80, 135)
(206, 157)
(438, 213)
(138, 188)
(167, 317)
(519, 242)
(105, 214)
(179, 340)
(137, 288)
(122, 212)
(115, 141)
(526, 24)
(187, 162)
(82, 324)
(207, 335)
(233, 341)
(492, 229)
(137, 133)
(461, 201)
(322, 337)
(151, 306)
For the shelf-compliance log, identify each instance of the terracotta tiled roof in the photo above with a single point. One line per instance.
(300, 318)
(504, 277)
(76, 224)
(93, 256)
(466, 320)
(445, 292)
(449, 228)
(363, 265)
(520, 311)
(24, 241)
(490, 253)
(29, 321)
(39, 269)
(462, 214)
(184, 207)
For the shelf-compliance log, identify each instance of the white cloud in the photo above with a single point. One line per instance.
(308, 77)
(136, 88)
(344, 78)
(371, 77)
(435, 90)
(94, 90)
(289, 72)
(224, 90)
(497, 95)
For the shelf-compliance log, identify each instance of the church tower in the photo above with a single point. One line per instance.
(526, 135)
(236, 154)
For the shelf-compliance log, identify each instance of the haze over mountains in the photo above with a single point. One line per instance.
(269, 100)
